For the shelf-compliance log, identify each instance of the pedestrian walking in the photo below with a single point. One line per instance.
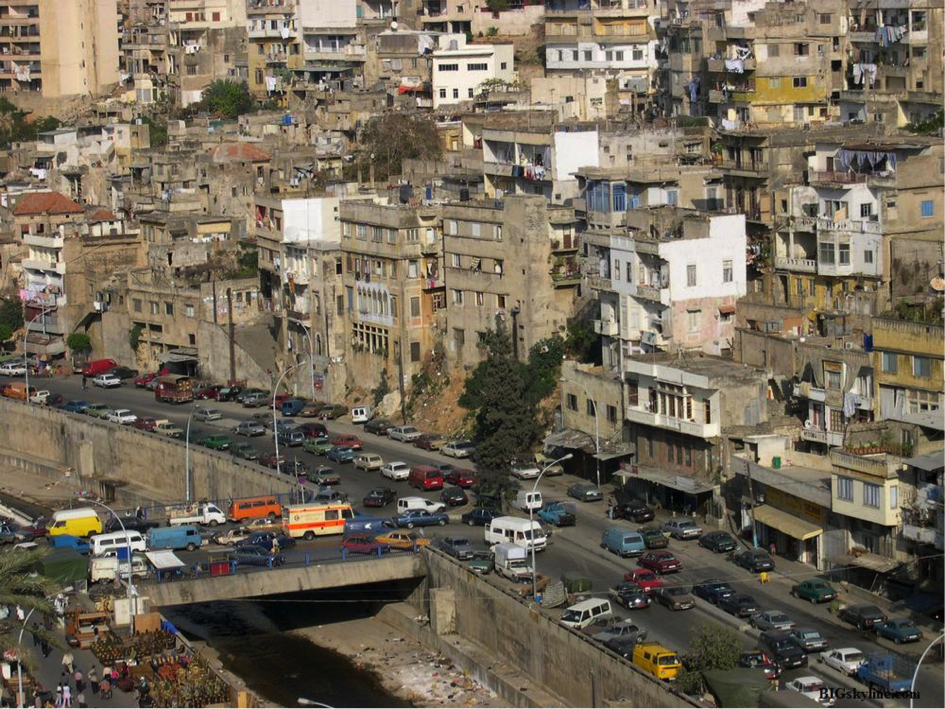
(79, 680)
(38, 700)
(67, 697)
(59, 695)
(44, 647)
(20, 614)
(93, 679)
(35, 639)
(68, 662)
(80, 701)
(84, 383)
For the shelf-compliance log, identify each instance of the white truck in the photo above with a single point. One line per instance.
(166, 428)
(206, 514)
(511, 561)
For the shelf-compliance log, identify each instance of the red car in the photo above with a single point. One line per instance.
(145, 423)
(644, 578)
(270, 460)
(361, 544)
(348, 441)
(313, 430)
(37, 529)
(462, 478)
(280, 399)
(145, 379)
(662, 562)
(429, 442)
(208, 392)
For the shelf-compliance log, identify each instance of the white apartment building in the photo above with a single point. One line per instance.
(459, 68)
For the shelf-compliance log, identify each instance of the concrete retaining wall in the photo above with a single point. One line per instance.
(98, 449)
(560, 660)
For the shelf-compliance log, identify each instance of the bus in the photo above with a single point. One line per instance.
(309, 520)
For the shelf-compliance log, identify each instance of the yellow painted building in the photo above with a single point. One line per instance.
(908, 361)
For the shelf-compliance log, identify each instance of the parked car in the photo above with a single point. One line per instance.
(662, 562)
(228, 393)
(97, 411)
(454, 496)
(405, 541)
(243, 451)
(761, 660)
(323, 476)
(622, 646)
(348, 441)
(461, 478)
(250, 391)
(645, 579)
(123, 372)
(326, 496)
(76, 406)
(125, 417)
(676, 598)
(630, 596)
(13, 369)
(166, 428)
(311, 429)
(713, 590)
(458, 449)
(331, 412)
(844, 659)
(254, 401)
(585, 492)
(480, 516)
(363, 544)
(291, 438)
(457, 547)
(204, 414)
(755, 560)
(813, 688)
(772, 620)
(266, 540)
(740, 605)
(106, 381)
(653, 538)
(145, 379)
(430, 442)
(250, 428)
(145, 423)
(271, 460)
(217, 442)
(899, 630)
(809, 640)
(379, 427)
(814, 590)
(379, 497)
(341, 454)
(257, 556)
(635, 511)
(525, 471)
(624, 630)
(405, 434)
(863, 617)
(718, 541)
(231, 537)
(209, 392)
(682, 528)
(396, 470)
(783, 649)
(419, 518)
(368, 461)
(318, 446)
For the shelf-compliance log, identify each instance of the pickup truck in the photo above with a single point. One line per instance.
(891, 673)
(207, 514)
(511, 561)
(166, 428)
(560, 514)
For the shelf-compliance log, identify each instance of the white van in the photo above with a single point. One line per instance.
(104, 568)
(405, 504)
(361, 414)
(103, 544)
(526, 500)
(583, 614)
(515, 530)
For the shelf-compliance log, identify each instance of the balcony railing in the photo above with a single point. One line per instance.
(606, 327)
(789, 263)
(849, 178)
(600, 283)
(648, 293)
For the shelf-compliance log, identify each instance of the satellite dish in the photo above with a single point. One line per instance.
(393, 25)
(938, 284)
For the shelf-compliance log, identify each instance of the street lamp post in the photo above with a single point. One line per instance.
(26, 356)
(596, 425)
(915, 675)
(19, 660)
(131, 601)
(275, 429)
(187, 455)
(531, 520)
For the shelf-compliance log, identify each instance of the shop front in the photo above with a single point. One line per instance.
(792, 527)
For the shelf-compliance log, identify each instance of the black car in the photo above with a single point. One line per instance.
(454, 496)
(379, 497)
(379, 427)
(755, 560)
(622, 646)
(863, 617)
(635, 511)
(480, 516)
(713, 590)
(229, 393)
(630, 596)
(783, 649)
(257, 556)
(718, 542)
(53, 401)
(137, 524)
(266, 539)
(123, 372)
(761, 660)
(740, 605)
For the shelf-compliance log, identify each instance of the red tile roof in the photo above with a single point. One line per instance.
(238, 151)
(46, 203)
(103, 215)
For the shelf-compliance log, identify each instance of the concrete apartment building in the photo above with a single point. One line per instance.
(514, 258)
(459, 69)
(58, 48)
(908, 361)
(332, 44)
(274, 29)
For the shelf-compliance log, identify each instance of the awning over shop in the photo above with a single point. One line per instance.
(183, 354)
(162, 560)
(571, 438)
(873, 562)
(615, 452)
(677, 482)
(785, 522)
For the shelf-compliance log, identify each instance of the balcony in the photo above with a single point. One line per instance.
(833, 439)
(854, 226)
(300, 278)
(272, 33)
(46, 241)
(297, 315)
(649, 293)
(867, 37)
(565, 280)
(690, 428)
(606, 327)
(718, 66)
(599, 283)
(801, 265)
(47, 266)
(832, 177)
(880, 466)
(923, 535)
(749, 168)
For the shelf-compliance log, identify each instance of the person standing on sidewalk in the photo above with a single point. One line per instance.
(79, 680)
(67, 697)
(59, 695)
(68, 662)
(93, 679)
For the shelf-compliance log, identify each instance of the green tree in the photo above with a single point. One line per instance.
(79, 342)
(497, 5)
(583, 343)
(21, 586)
(11, 314)
(715, 647)
(157, 131)
(227, 99)
(15, 126)
(5, 332)
(389, 139)
(544, 366)
(134, 337)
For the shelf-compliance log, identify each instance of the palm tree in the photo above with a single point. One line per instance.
(21, 585)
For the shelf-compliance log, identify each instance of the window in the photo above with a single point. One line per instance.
(691, 275)
(801, 49)
(707, 411)
(572, 402)
(154, 308)
(452, 228)
(168, 308)
(189, 310)
(457, 297)
(477, 66)
(448, 67)
(826, 18)
(590, 407)
(826, 254)
(727, 271)
(470, 94)
(694, 320)
(872, 495)
(413, 269)
(588, 55)
(890, 362)
(868, 256)
(774, 50)
(475, 228)
(866, 210)
(455, 93)
(414, 351)
(391, 236)
(833, 378)
(928, 208)
(415, 307)
(611, 414)
(503, 65)
(845, 488)
(442, 93)
(480, 298)
(498, 232)
(457, 260)
(638, 55)
(500, 301)
(618, 56)
(893, 497)
(921, 367)
(844, 254)
(799, 82)
(137, 304)
(920, 400)
(616, 270)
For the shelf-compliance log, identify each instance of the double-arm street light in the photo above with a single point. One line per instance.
(531, 519)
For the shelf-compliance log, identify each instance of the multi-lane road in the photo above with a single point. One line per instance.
(573, 549)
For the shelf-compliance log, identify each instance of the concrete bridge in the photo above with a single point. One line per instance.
(286, 579)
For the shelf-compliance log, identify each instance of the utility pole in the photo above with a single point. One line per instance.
(230, 332)
(400, 380)
(515, 311)
(213, 284)
(751, 500)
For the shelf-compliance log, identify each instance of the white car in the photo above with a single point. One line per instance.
(396, 471)
(122, 416)
(208, 414)
(458, 449)
(811, 688)
(106, 381)
(843, 659)
(525, 471)
(403, 433)
(682, 528)
(40, 396)
(13, 369)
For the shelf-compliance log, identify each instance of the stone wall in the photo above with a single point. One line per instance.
(562, 661)
(98, 449)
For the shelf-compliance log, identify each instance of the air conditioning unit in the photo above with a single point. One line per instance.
(849, 345)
